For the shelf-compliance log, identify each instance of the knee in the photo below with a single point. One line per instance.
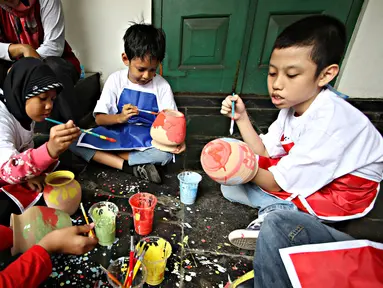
(160, 157)
(227, 192)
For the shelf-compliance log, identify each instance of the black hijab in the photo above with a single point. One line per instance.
(28, 77)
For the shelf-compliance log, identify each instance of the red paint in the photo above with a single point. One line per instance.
(174, 125)
(49, 216)
(215, 155)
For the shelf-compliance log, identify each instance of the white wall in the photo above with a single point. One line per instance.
(94, 29)
(362, 70)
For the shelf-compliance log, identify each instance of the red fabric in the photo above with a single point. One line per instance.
(6, 238)
(29, 270)
(345, 196)
(346, 268)
(34, 37)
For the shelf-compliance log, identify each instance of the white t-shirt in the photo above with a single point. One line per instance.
(14, 138)
(331, 139)
(118, 81)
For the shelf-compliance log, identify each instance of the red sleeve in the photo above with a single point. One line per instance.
(29, 270)
(6, 238)
(26, 165)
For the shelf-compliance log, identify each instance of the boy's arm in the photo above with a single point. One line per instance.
(29, 270)
(265, 179)
(106, 119)
(250, 136)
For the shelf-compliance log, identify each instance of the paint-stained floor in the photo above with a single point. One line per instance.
(202, 255)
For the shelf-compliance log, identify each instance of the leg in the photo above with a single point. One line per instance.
(282, 229)
(66, 105)
(149, 156)
(251, 195)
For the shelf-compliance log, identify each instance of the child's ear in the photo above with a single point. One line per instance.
(125, 59)
(328, 74)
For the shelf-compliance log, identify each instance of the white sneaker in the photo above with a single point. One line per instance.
(246, 238)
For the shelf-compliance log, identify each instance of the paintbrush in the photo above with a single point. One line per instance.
(91, 233)
(129, 273)
(147, 111)
(111, 276)
(139, 261)
(232, 116)
(85, 131)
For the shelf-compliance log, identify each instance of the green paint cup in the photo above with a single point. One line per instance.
(103, 215)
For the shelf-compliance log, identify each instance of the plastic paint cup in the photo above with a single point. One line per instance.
(155, 258)
(104, 215)
(143, 205)
(189, 186)
(118, 269)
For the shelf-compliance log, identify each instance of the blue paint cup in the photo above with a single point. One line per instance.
(189, 186)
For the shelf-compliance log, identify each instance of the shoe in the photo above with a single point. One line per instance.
(147, 172)
(246, 238)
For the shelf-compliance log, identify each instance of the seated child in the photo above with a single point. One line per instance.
(126, 91)
(35, 266)
(322, 155)
(30, 89)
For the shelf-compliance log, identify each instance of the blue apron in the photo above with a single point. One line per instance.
(133, 135)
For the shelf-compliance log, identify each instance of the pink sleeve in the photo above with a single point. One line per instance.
(26, 165)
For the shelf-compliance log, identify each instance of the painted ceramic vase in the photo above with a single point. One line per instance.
(62, 191)
(36, 222)
(168, 130)
(229, 161)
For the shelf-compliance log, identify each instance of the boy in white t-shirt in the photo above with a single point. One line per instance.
(321, 156)
(116, 110)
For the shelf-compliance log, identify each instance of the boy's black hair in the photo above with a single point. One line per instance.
(141, 40)
(326, 34)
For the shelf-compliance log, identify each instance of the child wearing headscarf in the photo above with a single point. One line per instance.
(30, 89)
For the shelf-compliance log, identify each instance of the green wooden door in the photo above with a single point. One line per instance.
(220, 46)
(204, 43)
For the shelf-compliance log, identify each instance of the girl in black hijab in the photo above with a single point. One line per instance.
(30, 89)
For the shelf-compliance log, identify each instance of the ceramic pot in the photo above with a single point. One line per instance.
(62, 191)
(168, 130)
(36, 222)
(229, 161)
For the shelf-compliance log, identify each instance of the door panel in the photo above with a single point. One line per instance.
(204, 43)
(271, 17)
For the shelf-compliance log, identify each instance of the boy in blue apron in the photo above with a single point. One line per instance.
(116, 112)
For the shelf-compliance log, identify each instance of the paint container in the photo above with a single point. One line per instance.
(155, 258)
(118, 269)
(104, 216)
(143, 205)
(189, 186)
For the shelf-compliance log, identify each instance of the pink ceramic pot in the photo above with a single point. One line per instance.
(36, 222)
(168, 130)
(229, 161)
(62, 191)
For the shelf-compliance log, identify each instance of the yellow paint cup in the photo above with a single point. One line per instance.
(155, 258)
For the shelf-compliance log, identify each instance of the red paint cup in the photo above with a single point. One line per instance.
(143, 205)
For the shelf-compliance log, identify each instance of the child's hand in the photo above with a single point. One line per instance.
(36, 183)
(239, 107)
(128, 111)
(180, 148)
(61, 136)
(70, 240)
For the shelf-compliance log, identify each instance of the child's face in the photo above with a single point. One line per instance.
(141, 71)
(40, 107)
(291, 80)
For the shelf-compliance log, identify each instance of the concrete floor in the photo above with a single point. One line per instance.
(206, 223)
